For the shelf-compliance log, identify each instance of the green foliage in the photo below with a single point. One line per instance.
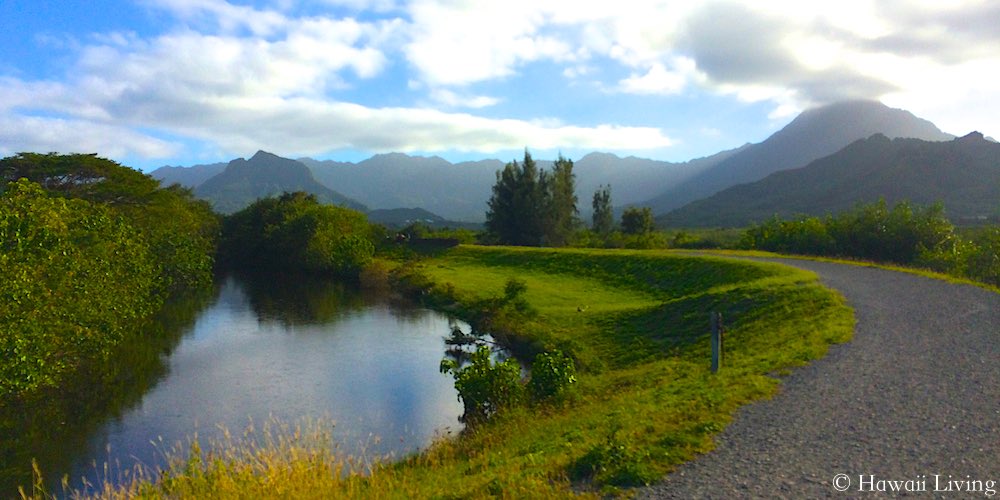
(75, 278)
(530, 207)
(181, 232)
(637, 220)
(616, 462)
(552, 375)
(562, 212)
(983, 261)
(871, 231)
(904, 234)
(484, 386)
(603, 219)
(296, 232)
(619, 239)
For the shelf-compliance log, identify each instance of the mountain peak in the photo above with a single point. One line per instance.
(263, 155)
(974, 136)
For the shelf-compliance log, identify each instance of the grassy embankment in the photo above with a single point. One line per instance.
(636, 323)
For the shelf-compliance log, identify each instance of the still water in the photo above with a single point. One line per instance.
(287, 349)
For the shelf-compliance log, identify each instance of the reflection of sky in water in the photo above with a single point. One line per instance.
(372, 369)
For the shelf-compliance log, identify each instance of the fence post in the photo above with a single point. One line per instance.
(715, 319)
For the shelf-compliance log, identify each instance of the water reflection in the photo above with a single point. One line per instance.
(286, 348)
(53, 430)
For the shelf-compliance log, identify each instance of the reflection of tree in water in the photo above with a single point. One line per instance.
(300, 299)
(51, 427)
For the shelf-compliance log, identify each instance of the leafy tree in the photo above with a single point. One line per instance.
(603, 217)
(181, 232)
(296, 232)
(637, 220)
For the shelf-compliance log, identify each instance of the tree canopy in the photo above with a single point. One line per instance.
(531, 207)
(603, 219)
(296, 232)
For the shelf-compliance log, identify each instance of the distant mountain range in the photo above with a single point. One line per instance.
(811, 135)
(263, 175)
(963, 174)
(460, 191)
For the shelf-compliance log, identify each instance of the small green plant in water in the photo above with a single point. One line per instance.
(484, 386)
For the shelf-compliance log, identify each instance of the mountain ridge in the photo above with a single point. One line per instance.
(265, 174)
(963, 174)
(813, 134)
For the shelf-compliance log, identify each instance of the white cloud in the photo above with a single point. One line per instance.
(660, 80)
(59, 135)
(457, 43)
(245, 77)
(454, 100)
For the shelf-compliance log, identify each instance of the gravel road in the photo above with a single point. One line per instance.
(914, 396)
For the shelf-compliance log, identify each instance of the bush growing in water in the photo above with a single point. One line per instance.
(484, 386)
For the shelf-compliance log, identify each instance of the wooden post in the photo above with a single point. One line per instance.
(716, 321)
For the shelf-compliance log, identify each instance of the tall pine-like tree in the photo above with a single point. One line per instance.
(562, 212)
(533, 207)
(518, 207)
(603, 221)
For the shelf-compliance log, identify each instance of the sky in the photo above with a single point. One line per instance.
(180, 82)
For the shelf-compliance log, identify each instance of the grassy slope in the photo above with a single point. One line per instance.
(645, 399)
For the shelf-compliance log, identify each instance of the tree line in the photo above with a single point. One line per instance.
(89, 249)
(533, 207)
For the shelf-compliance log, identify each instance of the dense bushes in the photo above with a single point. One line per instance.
(88, 250)
(75, 278)
(904, 234)
(296, 232)
(180, 231)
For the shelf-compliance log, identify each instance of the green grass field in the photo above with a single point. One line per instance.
(636, 322)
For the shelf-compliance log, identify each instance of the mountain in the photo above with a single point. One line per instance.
(634, 180)
(460, 191)
(964, 174)
(265, 174)
(811, 135)
(189, 177)
(402, 217)
(456, 191)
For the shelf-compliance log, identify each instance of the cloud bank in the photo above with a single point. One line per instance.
(281, 78)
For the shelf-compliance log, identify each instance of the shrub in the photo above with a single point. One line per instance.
(485, 387)
(74, 280)
(552, 375)
(615, 462)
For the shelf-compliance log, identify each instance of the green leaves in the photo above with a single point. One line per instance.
(296, 232)
(530, 207)
(552, 375)
(485, 387)
(76, 278)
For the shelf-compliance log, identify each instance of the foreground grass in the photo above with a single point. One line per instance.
(636, 323)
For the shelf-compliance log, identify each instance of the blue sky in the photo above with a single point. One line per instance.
(179, 82)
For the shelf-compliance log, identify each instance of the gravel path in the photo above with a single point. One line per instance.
(915, 394)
